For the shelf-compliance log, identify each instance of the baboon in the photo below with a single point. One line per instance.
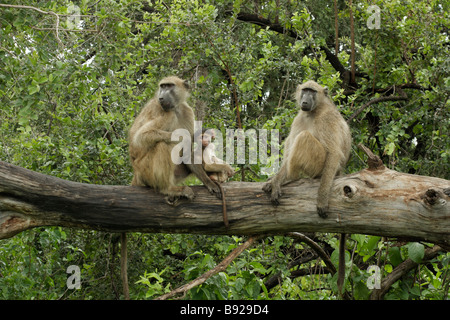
(318, 145)
(150, 147)
(151, 143)
(217, 170)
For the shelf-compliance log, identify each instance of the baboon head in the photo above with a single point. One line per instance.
(310, 95)
(172, 91)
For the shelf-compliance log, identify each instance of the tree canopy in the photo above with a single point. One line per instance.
(74, 75)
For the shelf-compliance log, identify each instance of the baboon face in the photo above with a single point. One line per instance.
(166, 96)
(207, 137)
(308, 99)
(172, 92)
(310, 95)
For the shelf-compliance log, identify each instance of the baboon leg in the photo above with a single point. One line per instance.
(135, 180)
(307, 157)
(181, 173)
(326, 182)
(173, 191)
(220, 177)
(218, 171)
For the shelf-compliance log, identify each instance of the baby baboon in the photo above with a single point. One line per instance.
(216, 168)
(318, 145)
(151, 143)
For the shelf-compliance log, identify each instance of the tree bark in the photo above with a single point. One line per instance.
(373, 201)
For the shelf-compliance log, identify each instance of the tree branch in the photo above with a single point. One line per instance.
(219, 268)
(320, 252)
(263, 22)
(403, 96)
(352, 40)
(41, 11)
(401, 270)
(373, 160)
(377, 202)
(274, 280)
(226, 67)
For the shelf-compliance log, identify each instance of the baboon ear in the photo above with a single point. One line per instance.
(325, 91)
(186, 84)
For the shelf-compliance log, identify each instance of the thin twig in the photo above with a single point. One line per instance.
(352, 39)
(336, 28)
(220, 267)
(227, 69)
(41, 11)
(403, 96)
(321, 253)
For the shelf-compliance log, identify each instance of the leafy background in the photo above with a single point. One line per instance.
(69, 93)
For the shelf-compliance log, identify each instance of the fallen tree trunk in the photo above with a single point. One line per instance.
(375, 201)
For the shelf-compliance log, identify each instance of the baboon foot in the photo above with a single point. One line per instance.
(275, 193)
(179, 192)
(322, 211)
(267, 187)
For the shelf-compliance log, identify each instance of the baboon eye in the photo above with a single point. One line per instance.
(166, 85)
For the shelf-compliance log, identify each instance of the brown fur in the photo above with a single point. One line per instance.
(219, 172)
(216, 168)
(151, 145)
(318, 145)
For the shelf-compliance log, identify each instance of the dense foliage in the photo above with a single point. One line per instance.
(74, 74)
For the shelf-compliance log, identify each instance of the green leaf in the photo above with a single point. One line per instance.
(258, 267)
(34, 88)
(416, 251)
(395, 256)
(372, 243)
(253, 288)
(389, 148)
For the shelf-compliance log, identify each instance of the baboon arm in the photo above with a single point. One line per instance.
(148, 136)
(279, 179)
(273, 187)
